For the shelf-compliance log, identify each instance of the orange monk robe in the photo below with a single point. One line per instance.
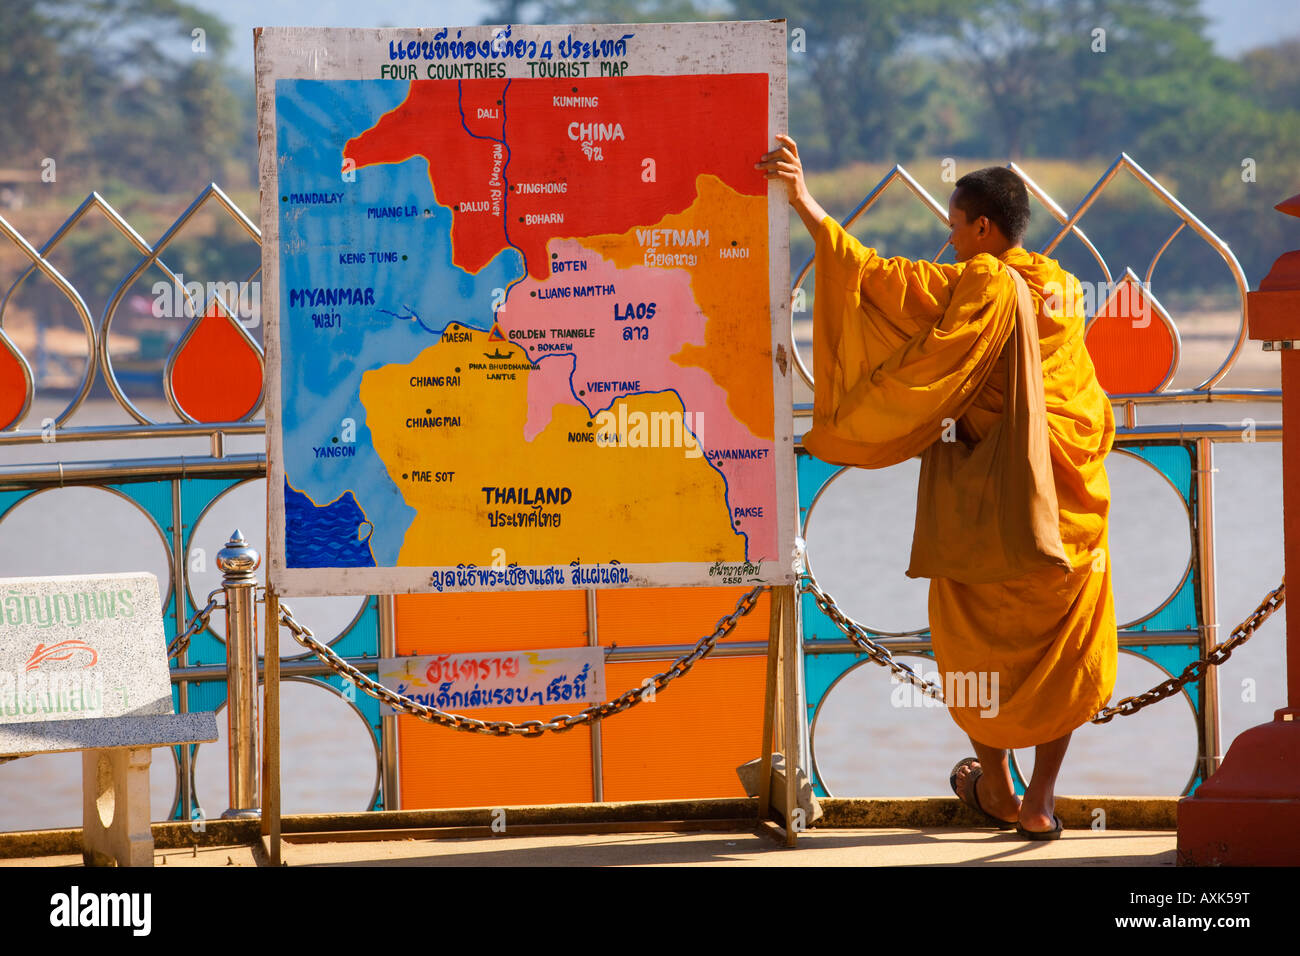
(899, 345)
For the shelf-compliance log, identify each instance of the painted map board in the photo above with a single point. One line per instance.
(527, 307)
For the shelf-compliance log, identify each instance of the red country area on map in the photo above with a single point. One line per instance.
(711, 123)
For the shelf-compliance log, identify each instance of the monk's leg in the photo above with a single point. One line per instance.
(1040, 795)
(997, 794)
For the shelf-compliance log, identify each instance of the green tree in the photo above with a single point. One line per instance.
(115, 90)
(1273, 74)
(1071, 77)
(41, 102)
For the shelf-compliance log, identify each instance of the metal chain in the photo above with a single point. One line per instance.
(1194, 671)
(528, 728)
(197, 623)
(1129, 705)
(854, 631)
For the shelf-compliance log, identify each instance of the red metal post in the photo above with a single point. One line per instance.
(1248, 812)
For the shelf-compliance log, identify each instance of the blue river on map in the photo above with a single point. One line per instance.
(321, 368)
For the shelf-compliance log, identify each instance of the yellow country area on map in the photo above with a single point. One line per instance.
(630, 504)
(730, 285)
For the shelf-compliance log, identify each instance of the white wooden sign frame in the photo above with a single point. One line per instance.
(656, 49)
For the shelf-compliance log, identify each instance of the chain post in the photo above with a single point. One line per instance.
(238, 562)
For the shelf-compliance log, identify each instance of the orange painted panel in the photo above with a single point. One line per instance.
(216, 376)
(451, 768)
(656, 750)
(633, 616)
(1129, 358)
(470, 623)
(688, 741)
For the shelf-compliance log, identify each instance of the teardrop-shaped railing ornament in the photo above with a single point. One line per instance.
(211, 193)
(1124, 161)
(39, 262)
(1133, 343)
(15, 384)
(901, 175)
(215, 373)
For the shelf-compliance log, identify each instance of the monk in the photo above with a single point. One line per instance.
(1048, 638)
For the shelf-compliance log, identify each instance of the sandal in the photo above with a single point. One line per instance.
(972, 799)
(1052, 834)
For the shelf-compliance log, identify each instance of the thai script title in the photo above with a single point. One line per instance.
(18, 609)
(512, 575)
(502, 46)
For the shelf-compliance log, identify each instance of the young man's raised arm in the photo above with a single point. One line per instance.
(910, 293)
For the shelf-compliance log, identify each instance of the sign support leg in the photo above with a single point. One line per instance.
(769, 708)
(789, 712)
(271, 729)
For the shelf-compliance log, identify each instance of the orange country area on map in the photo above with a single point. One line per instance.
(597, 502)
(729, 280)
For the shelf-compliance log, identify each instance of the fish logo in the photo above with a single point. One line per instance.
(62, 651)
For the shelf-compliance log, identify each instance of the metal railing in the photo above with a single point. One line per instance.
(177, 472)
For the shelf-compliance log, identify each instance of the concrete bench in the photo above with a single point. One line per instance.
(83, 666)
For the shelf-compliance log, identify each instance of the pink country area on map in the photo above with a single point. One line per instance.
(582, 374)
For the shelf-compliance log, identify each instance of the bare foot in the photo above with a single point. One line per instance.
(1003, 805)
(1036, 815)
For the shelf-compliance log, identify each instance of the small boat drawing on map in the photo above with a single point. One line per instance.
(496, 354)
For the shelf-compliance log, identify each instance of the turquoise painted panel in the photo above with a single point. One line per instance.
(362, 638)
(154, 498)
(1178, 615)
(1175, 462)
(811, 474)
(196, 495)
(10, 498)
(820, 672)
(207, 695)
(1174, 658)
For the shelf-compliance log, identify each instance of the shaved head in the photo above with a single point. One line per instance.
(999, 194)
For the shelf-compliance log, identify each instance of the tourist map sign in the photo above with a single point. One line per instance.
(527, 307)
